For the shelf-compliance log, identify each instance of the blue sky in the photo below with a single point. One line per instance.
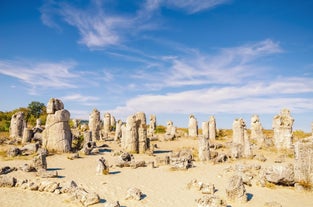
(172, 58)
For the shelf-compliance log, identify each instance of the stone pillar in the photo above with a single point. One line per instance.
(204, 149)
(205, 129)
(129, 135)
(192, 126)
(235, 189)
(257, 130)
(112, 122)
(170, 133)
(238, 131)
(212, 128)
(141, 131)
(303, 163)
(95, 124)
(152, 125)
(118, 131)
(57, 135)
(17, 125)
(106, 125)
(282, 126)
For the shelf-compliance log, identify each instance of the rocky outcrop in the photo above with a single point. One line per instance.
(57, 135)
(303, 164)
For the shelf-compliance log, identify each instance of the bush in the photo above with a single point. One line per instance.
(160, 129)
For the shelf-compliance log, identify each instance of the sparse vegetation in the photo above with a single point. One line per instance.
(160, 129)
(299, 134)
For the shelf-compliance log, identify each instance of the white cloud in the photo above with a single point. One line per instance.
(194, 6)
(253, 97)
(228, 66)
(100, 30)
(41, 75)
(84, 100)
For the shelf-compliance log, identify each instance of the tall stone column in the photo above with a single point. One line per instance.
(192, 126)
(212, 128)
(282, 126)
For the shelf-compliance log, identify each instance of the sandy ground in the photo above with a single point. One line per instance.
(160, 186)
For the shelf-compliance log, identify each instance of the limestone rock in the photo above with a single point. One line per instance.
(95, 124)
(192, 126)
(204, 149)
(57, 135)
(134, 193)
(282, 126)
(303, 163)
(257, 130)
(210, 201)
(280, 174)
(17, 125)
(7, 181)
(170, 133)
(212, 128)
(235, 189)
(102, 167)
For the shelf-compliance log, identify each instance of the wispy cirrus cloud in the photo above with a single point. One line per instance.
(99, 29)
(42, 74)
(194, 6)
(227, 66)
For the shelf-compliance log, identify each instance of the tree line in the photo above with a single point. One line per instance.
(32, 112)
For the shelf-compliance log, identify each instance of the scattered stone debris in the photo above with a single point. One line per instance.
(210, 201)
(112, 204)
(272, 204)
(133, 193)
(200, 186)
(181, 160)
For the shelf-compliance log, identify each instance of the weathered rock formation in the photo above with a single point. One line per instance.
(210, 201)
(106, 125)
(257, 130)
(282, 126)
(241, 143)
(170, 132)
(152, 125)
(57, 135)
(129, 141)
(212, 128)
(204, 149)
(303, 165)
(192, 126)
(17, 125)
(118, 131)
(102, 167)
(235, 189)
(205, 129)
(181, 160)
(134, 193)
(141, 127)
(95, 124)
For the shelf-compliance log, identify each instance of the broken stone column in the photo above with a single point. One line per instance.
(170, 133)
(106, 125)
(238, 131)
(247, 152)
(235, 189)
(205, 129)
(152, 125)
(212, 128)
(257, 130)
(95, 124)
(204, 149)
(57, 135)
(303, 163)
(17, 125)
(27, 135)
(129, 135)
(112, 123)
(118, 131)
(192, 126)
(141, 131)
(282, 126)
